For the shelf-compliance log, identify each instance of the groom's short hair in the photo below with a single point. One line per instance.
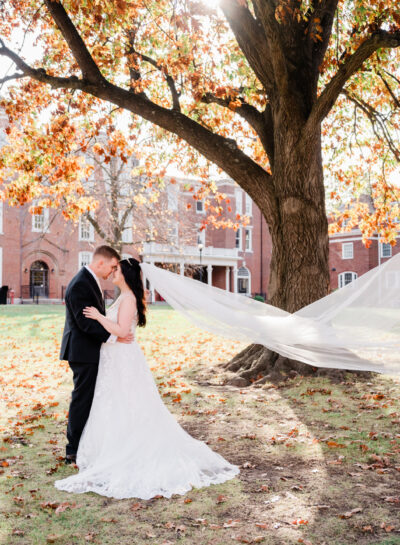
(107, 252)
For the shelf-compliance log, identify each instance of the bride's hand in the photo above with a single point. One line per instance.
(91, 312)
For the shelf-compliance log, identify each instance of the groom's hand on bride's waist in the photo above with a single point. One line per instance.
(128, 339)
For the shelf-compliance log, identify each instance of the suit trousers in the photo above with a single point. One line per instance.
(85, 375)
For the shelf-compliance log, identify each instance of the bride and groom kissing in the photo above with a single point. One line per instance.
(120, 434)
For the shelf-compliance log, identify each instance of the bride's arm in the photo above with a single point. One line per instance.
(126, 313)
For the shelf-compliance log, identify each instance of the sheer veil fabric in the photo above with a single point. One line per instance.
(356, 327)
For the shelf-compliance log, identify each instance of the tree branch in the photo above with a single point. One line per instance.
(217, 149)
(261, 123)
(169, 79)
(251, 39)
(40, 74)
(352, 64)
(376, 120)
(389, 89)
(88, 67)
(277, 55)
(16, 75)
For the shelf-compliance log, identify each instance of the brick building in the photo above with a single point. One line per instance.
(39, 254)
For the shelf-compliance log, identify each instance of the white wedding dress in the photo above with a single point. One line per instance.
(132, 446)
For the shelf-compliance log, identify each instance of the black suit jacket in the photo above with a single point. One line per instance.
(82, 337)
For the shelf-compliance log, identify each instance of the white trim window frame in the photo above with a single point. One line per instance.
(86, 230)
(346, 278)
(127, 233)
(248, 205)
(247, 277)
(201, 237)
(248, 240)
(347, 250)
(172, 197)
(239, 201)
(41, 222)
(238, 239)
(385, 249)
(84, 259)
(200, 206)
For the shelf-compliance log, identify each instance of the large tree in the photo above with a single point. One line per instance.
(265, 71)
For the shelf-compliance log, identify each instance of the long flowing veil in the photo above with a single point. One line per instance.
(356, 327)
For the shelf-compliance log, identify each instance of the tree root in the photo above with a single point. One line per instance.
(258, 365)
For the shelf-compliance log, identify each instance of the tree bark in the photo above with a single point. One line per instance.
(299, 270)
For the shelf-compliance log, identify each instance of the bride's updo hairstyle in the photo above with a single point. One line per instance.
(131, 270)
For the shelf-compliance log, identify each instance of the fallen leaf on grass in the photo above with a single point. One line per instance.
(387, 527)
(392, 499)
(187, 500)
(17, 532)
(333, 444)
(52, 538)
(231, 523)
(349, 514)
(108, 520)
(221, 499)
(262, 525)
(367, 528)
(90, 536)
(248, 465)
(136, 506)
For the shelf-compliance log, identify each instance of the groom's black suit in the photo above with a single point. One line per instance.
(81, 342)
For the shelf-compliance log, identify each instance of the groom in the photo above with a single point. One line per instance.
(82, 339)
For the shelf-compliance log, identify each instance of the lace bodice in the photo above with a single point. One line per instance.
(112, 311)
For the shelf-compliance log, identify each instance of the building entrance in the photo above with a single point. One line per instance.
(39, 279)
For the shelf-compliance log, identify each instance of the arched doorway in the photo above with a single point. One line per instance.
(39, 279)
(243, 281)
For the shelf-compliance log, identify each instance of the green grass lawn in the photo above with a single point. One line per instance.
(319, 462)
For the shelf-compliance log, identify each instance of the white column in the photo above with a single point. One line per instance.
(151, 288)
(209, 275)
(227, 277)
(182, 268)
(235, 279)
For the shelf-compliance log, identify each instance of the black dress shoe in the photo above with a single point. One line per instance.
(70, 459)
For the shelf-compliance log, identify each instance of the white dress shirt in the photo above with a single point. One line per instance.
(111, 338)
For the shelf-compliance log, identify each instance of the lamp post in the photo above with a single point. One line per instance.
(200, 247)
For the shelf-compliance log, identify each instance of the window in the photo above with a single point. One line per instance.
(173, 234)
(84, 258)
(200, 206)
(248, 240)
(238, 238)
(201, 237)
(40, 222)
(127, 234)
(243, 281)
(1, 217)
(386, 250)
(247, 205)
(239, 201)
(172, 193)
(346, 278)
(347, 250)
(86, 230)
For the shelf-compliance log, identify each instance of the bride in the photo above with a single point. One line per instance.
(132, 446)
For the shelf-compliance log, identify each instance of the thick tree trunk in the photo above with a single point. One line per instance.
(299, 273)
